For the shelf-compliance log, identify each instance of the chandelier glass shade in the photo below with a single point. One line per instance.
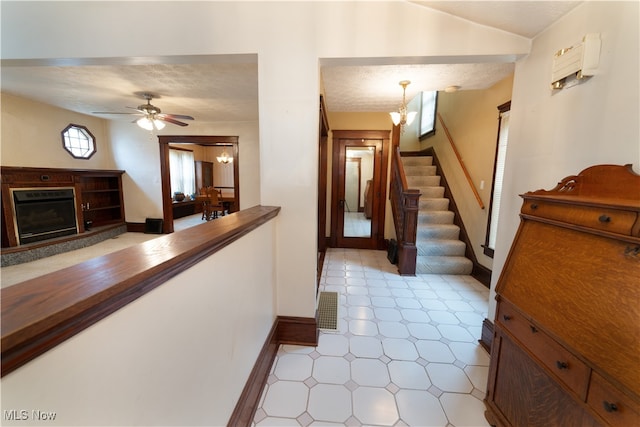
(224, 158)
(403, 117)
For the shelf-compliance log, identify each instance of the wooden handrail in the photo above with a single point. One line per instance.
(464, 168)
(40, 313)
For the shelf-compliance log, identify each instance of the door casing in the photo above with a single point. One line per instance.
(342, 139)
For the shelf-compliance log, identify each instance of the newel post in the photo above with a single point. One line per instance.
(407, 251)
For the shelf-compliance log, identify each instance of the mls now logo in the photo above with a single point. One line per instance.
(24, 415)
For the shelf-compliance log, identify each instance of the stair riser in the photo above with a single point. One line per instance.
(434, 204)
(423, 181)
(430, 233)
(419, 170)
(443, 265)
(417, 161)
(453, 248)
(435, 217)
(431, 192)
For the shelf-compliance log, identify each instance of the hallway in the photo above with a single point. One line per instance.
(406, 352)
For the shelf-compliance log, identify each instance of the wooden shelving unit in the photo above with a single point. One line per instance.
(98, 195)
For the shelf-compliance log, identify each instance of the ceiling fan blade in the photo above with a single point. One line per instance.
(176, 116)
(170, 120)
(112, 112)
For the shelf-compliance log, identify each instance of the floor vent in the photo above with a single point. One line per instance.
(328, 311)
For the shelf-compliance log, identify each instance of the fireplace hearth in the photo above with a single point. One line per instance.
(43, 214)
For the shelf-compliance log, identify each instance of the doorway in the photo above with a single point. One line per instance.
(359, 190)
(165, 171)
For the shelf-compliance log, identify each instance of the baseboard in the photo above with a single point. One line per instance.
(297, 330)
(135, 227)
(482, 274)
(486, 336)
(285, 330)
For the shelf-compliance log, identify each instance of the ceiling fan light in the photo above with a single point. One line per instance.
(159, 124)
(145, 123)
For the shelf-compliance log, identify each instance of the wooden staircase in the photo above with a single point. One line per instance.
(439, 249)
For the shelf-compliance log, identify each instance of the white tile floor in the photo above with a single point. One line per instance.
(406, 352)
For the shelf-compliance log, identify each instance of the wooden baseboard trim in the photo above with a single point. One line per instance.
(135, 227)
(285, 330)
(482, 274)
(486, 336)
(297, 330)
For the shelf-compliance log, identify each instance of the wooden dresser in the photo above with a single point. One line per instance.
(566, 347)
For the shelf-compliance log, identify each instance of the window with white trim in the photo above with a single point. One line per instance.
(78, 141)
(428, 113)
(498, 174)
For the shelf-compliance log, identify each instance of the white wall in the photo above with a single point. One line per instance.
(31, 136)
(178, 356)
(289, 38)
(554, 135)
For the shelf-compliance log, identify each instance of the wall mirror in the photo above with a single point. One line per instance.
(357, 183)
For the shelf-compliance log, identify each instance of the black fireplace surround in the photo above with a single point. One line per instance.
(43, 214)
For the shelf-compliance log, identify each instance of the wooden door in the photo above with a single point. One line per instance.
(359, 162)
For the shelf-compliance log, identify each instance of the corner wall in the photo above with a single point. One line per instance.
(556, 134)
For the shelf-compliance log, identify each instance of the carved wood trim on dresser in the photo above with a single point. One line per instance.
(566, 347)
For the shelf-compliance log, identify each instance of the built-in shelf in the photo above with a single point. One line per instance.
(98, 196)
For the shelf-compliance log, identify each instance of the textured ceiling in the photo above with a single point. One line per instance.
(208, 92)
(225, 88)
(377, 88)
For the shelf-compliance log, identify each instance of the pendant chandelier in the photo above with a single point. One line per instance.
(402, 117)
(224, 158)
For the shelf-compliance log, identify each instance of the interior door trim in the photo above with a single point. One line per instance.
(165, 170)
(380, 186)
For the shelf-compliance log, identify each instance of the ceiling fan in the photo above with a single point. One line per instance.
(152, 117)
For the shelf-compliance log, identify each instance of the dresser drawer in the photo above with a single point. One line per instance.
(600, 218)
(559, 361)
(611, 404)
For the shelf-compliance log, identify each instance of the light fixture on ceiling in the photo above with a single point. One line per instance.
(402, 117)
(149, 123)
(452, 89)
(224, 157)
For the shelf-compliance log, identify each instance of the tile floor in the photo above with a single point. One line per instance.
(406, 352)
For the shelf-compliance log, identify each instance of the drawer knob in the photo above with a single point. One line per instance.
(562, 365)
(609, 407)
(604, 218)
(534, 206)
(533, 329)
(506, 317)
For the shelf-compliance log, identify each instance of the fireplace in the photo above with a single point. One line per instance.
(44, 213)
